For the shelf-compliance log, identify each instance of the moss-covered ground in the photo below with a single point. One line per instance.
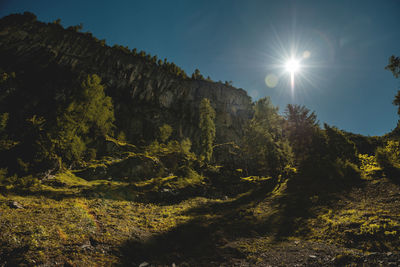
(66, 220)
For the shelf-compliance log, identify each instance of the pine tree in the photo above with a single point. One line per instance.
(266, 151)
(86, 118)
(394, 67)
(207, 129)
(301, 125)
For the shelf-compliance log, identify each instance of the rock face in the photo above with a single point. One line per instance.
(145, 95)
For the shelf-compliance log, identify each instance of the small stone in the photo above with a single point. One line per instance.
(296, 242)
(15, 205)
(144, 264)
(312, 256)
(389, 253)
(173, 264)
(86, 246)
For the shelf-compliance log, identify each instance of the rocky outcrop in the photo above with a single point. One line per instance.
(145, 95)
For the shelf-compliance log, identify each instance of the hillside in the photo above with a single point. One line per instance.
(111, 157)
(147, 93)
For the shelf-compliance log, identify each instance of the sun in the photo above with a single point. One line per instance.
(292, 65)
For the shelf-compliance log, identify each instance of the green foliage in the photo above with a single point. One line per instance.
(197, 75)
(339, 145)
(89, 116)
(16, 183)
(228, 83)
(76, 28)
(328, 160)
(389, 155)
(5, 142)
(394, 67)
(329, 175)
(3, 121)
(388, 158)
(165, 132)
(301, 127)
(121, 136)
(207, 129)
(368, 164)
(265, 150)
(57, 21)
(175, 156)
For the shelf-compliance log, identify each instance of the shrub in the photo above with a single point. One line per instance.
(388, 158)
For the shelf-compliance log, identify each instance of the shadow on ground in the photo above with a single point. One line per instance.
(206, 239)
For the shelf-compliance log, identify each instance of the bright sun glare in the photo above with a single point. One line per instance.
(292, 65)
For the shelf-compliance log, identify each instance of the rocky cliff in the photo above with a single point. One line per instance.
(145, 95)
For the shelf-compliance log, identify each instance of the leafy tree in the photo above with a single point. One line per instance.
(266, 151)
(207, 129)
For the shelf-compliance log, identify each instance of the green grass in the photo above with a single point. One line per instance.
(70, 220)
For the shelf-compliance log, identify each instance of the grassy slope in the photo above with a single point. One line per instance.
(68, 220)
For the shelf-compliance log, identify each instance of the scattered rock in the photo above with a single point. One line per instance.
(86, 246)
(15, 205)
(312, 256)
(389, 253)
(144, 264)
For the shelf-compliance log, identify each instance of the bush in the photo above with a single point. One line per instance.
(174, 155)
(368, 164)
(17, 183)
(328, 175)
(388, 158)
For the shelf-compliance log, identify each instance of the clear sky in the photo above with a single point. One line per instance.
(343, 47)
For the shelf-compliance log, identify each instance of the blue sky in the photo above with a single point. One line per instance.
(348, 44)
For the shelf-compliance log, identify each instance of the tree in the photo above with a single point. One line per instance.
(394, 67)
(165, 132)
(197, 75)
(301, 125)
(265, 149)
(207, 129)
(86, 118)
(339, 145)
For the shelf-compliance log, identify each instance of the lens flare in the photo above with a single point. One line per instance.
(306, 54)
(271, 80)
